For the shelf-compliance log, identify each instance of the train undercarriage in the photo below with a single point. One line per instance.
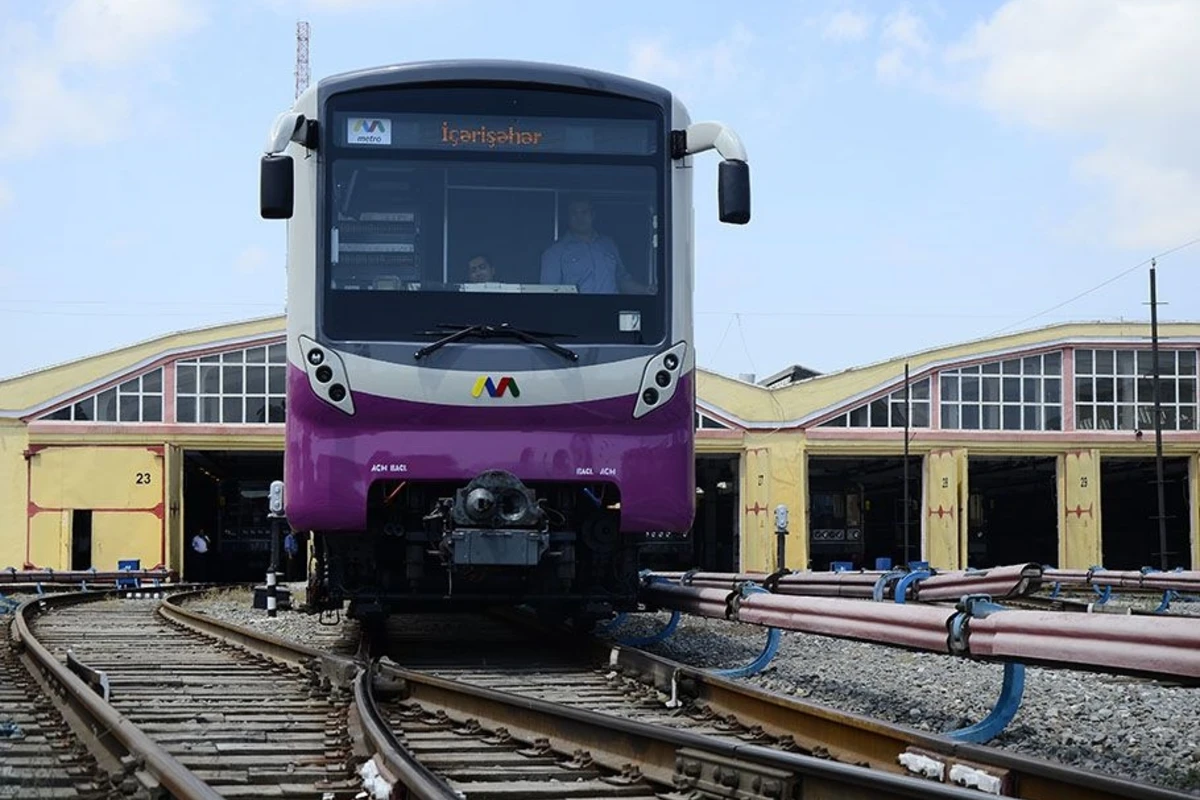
(493, 541)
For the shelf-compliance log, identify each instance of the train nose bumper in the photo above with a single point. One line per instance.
(495, 520)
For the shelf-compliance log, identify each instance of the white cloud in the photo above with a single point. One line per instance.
(82, 62)
(847, 26)
(689, 71)
(904, 37)
(251, 260)
(1122, 75)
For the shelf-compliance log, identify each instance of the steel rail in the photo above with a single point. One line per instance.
(397, 764)
(339, 670)
(663, 755)
(108, 725)
(1158, 647)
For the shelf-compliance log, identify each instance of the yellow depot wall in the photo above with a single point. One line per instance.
(120, 535)
(122, 486)
(50, 539)
(945, 477)
(97, 478)
(1079, 511)
(773, 474)
(756, 505)
(13, 482)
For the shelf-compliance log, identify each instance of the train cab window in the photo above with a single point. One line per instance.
(565, 244)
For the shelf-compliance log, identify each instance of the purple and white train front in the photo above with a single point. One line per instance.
(491, 383)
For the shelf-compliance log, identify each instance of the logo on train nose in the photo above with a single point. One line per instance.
(495, 388)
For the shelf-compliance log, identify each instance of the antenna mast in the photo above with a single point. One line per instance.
(301, 57)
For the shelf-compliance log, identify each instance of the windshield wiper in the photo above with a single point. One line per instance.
(503, 329)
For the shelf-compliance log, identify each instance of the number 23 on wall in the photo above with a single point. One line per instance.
(142, 478)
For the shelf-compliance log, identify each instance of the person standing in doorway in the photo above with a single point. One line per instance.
(292, 548)
(200, 547)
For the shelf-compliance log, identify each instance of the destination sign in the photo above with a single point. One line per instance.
(450, 132)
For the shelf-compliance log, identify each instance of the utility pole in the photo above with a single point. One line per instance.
(906, 500)
(1158, 452)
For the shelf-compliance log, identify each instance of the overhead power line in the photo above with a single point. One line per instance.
(1099, 286)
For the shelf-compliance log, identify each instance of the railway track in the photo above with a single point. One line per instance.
(477, 709)
(40, 756)
(220, 721)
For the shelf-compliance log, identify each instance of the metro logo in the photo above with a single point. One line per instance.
(495, 389)
(368, 130)
(369, 126)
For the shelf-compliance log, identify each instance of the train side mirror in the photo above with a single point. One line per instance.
(733, 191)
(277, 186)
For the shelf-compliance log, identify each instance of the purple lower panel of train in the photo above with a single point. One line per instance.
(331, 458)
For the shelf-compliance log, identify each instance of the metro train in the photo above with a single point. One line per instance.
(491, 369)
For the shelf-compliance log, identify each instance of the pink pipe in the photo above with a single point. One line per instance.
(1015, 580)
(1156, 646)
(1127, 579)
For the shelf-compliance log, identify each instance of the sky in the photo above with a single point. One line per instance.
(923, 173)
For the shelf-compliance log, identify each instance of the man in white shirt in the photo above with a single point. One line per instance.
(200, 545)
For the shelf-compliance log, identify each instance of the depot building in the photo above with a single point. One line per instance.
(1034, 447)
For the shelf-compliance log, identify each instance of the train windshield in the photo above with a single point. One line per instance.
(540, 210)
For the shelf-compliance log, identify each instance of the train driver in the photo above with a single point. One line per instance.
(586, 258)
(480, 270)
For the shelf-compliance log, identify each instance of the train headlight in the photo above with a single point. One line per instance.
(327, 375)
(660, 379)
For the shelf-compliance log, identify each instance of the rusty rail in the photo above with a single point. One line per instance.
(1156, 647)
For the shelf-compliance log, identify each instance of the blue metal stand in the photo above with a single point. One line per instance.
(903, 578)
(1012, 689)
(902, 585)
(881, 584)
(769, 649)
(1007, 705)
(1104, 592)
